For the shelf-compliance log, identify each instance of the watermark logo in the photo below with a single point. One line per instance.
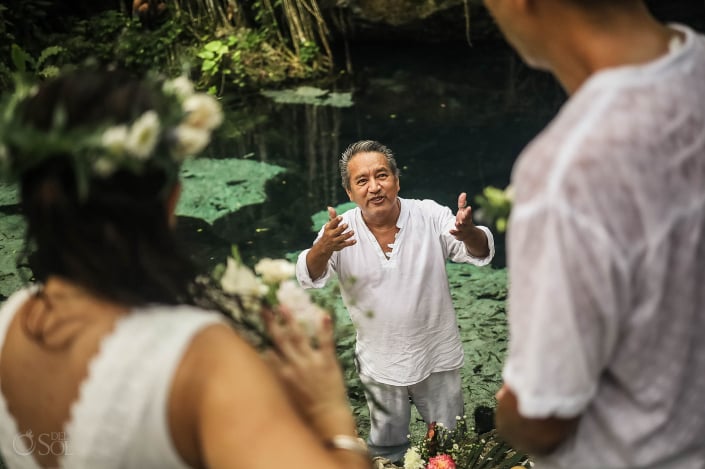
(24, 444)
(43, 444)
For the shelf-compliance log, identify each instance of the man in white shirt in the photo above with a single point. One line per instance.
(606, 242)
(390, 254)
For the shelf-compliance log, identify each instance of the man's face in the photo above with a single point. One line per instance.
(373, 185)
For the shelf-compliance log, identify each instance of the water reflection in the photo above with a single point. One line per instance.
(455, 117)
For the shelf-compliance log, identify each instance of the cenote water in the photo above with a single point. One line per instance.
(456, 118)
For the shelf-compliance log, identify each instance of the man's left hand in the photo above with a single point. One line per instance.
(464, 225)
(465, 230)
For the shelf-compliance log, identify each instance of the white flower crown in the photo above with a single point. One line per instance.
(184, 130)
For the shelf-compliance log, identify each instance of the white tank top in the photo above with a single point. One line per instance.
(120, 419)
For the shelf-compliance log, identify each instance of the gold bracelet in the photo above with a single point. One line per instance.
(349, 443)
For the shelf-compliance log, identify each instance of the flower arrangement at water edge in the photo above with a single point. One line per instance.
(245, 294)
(461, 448)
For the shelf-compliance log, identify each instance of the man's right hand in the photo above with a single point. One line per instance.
(334, 238)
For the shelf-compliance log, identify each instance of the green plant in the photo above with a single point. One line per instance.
(246, 58)
(309, 52)
(163, 47)
(41, 66)
(25, 21)
(95, 37)
(493, 206)
(215, 57)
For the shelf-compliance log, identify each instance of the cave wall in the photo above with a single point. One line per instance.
(433, 21)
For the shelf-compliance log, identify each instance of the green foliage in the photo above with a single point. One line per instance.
(309, 52)
(262, 51)
(42, 67)
(5, 38)
(219, 62)
(23, 20)
(213, 53)
(111, 37)
(493, 207)
(143, 49)
(94, 37)
(245, 58)
(20, 21)
(248, 48)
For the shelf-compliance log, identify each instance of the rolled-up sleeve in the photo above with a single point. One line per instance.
(303, 276)
(458, 252)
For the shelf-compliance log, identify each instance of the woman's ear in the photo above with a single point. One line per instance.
(171, 201)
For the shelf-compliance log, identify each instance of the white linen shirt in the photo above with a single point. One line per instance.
(401, 306)
(606, 255)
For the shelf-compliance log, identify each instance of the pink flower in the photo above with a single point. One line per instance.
(442, 461)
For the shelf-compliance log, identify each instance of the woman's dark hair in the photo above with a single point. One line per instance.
(114, 240)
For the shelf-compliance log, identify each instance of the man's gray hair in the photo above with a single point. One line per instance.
(365, 146)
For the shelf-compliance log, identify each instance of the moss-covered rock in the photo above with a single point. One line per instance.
(213, 188)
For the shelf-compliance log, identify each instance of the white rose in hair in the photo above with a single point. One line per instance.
(202, 111)
(114, 139)
(190, 140)
(180, 86)
(275, 270)
(239, 280)
(143, 135)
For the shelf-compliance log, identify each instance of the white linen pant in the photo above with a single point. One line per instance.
(438, 398)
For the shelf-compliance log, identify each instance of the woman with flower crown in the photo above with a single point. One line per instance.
(105, 362)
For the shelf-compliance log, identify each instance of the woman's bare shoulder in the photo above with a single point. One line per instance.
(221, 384)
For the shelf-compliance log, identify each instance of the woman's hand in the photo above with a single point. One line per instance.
(310, 371)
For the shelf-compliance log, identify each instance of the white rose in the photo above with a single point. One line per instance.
(292, 296)
(275, 270)
(114, 139)
(240, 280)
(180, 86)
(143, 134)
(202, 111)
(308, 314)
(190, 140)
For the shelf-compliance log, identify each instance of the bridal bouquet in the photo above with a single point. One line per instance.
(247, 294)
